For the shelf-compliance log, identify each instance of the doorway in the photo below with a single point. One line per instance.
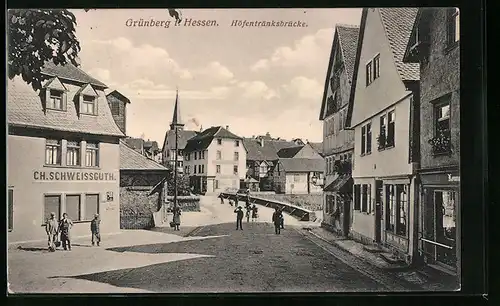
(378, 210)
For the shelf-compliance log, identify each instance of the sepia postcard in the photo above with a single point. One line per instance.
(233, 150)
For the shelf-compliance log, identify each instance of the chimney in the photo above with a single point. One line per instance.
(262, 142)
(227, 127)
(268, 135)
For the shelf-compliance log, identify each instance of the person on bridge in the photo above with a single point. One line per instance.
(277, 216)
(239, 218)
(254, 212)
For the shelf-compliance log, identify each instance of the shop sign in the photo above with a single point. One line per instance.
(109, 196)
(453, 178)
(74, 176)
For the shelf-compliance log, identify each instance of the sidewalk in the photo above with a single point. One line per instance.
(32, 269)
(425, 276)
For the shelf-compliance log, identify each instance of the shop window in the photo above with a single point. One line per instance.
(73, 153)
(235, 169)
(52, 152)
(11, 209)
(357, 197)
(51, 204)
(391, 207)
(73, 207)
(55, 100)
(219, 155)
(402, 197)
(92, 155)
(217, 169)
(397, 209)
(89, 105)
(236, 156)
(91, 206)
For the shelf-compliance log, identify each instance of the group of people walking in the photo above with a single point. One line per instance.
(58, 231)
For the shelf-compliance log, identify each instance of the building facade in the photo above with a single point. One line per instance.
(338, 141)
(298, 175)
(384, 100)
(62, 154)
(215, 160)
(434, 44)
(169, 150)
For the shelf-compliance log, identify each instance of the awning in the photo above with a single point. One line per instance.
(343, 184)
(157, 187)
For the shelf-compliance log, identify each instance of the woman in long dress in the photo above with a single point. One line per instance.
(177, 218)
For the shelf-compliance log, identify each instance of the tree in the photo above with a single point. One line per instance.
(36, 36)
(183, 188)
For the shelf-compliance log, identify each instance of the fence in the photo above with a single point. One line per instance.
(136, 221)
(300, 213)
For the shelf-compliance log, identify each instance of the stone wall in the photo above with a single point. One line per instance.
(137, 208)
(312, 202)
(186, 203)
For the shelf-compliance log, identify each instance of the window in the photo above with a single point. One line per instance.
(92, 155)
(237, 143)
(73, 153)
(442, 118)
(91, 206)
(52, 152)
(357, 197)
(402, 213)
(73, 207)
(369, 75)
(391, 129)
(179, 164)
(382, 138)
(453, 26)
(52, 204)
(55, 100)
(203, 154)
(219, 155)
(236, 156)
(341, 123)
(194, 168)
(115, 109)
(89, 105)
(364, 199)
(219, 141)
(366, 139)
(217, 168)
(195, 155)
(202, 168)
(11, 209)
(235, 169)
(376, 67)
(391, 207)
(180, 152)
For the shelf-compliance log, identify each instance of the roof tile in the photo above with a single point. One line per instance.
(348, 39)
(70, 72)
(132, 160)
(302, 164)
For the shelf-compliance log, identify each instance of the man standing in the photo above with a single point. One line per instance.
(65, 227)
(239, 218)
(95, 229)
(52, 229)
(277, 220)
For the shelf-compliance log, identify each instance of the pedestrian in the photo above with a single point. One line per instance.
(254, 212)
(239, 218)
(95, 230)
(277, 221)
(231, 202)
(282, 224)
(247, 201)
(65, 228)
(247, 214)
(177, 218)
(52, 230)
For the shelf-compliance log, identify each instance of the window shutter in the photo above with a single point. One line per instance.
(64, 101)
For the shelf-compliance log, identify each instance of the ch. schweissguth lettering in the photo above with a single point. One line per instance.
(272, 23)
(72, 176)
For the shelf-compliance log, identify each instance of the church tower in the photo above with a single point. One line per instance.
(176, 118)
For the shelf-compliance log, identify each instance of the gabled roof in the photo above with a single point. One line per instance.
(397, 23)
(345, 39)
(289, 152)
(118, 95)
(202, 140)
(87, 90)
(25, 109)
(132, 160)
(70, 72)
(268, 152)
(182, 138)
(302, 164)
(318, 146)
(55, 83)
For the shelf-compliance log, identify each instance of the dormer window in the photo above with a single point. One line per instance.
(55, 100)
(88, 105)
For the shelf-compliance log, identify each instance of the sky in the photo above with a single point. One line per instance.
(253, 79)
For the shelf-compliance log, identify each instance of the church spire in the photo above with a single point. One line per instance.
(176, 118)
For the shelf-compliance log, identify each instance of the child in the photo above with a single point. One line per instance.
(95, 229)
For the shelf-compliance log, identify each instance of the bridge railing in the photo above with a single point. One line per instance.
(298, 212)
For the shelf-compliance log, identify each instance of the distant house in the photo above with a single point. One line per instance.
(318, 147)
(298, 141)
(261, 157)
(215, 160)
(168, 151)
(142, 188)
(302, 151)
(297, 175)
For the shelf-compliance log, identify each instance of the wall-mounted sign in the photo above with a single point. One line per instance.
(109, 196)
(453, 178)
(74, 176)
